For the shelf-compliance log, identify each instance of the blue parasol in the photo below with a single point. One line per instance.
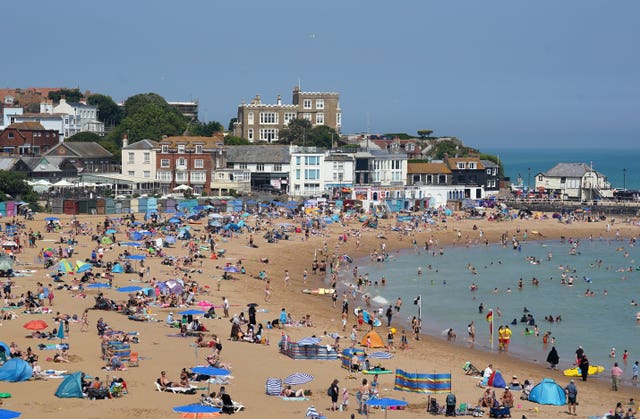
(196, 408)
(136, 257)
(110, 231)
(231, 269)
(99, 285)
(52, 219)
(133, 244)
(174, 220)
(8, 414)
(211, 371)
(385, 403)
(131, 288)
(192, 312)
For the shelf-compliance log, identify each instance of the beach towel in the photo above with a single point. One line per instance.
(295, 399)
(53, 346)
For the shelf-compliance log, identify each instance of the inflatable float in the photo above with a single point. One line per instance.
(575, 372)
(366, 316)
(319, 291)
(377, 371)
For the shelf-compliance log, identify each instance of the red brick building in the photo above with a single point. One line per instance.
(27, 139)
(190, 161)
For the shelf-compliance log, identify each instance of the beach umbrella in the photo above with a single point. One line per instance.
(99, 285)
(131, 288)
(253, 305)
(192, 312)
(52, 219)
(65, 266)
(385, 403)
(110, 231)
(196, 409)
(35, 325)
(175, 286)
(231, 269)
(132, 244)
(136, 257)
(298, 378)
(210, 371)
(174, 220)
(9, 414)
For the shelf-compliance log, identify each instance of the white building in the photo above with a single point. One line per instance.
(575, 181)
(80, 117)
(139, 159)
(307, 167)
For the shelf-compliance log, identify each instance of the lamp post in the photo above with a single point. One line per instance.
(529, 181)
(624, 178)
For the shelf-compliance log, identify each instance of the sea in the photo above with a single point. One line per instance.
(598, 311)
(620, 166)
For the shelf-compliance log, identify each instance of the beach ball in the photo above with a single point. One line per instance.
(535, 409)
(393, 330)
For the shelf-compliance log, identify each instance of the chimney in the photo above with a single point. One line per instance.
(279, 100)
(125, 140)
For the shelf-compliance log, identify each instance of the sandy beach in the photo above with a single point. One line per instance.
(252, 364)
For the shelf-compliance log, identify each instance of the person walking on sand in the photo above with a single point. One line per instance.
(572, 395)
(616, 373)
(286, 278)
(85, 321)
(334, 392)
(225, 306)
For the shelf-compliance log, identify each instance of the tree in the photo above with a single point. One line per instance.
(135, 103)
(232, 140)
(108, 111)
(425, 133)
(324, 136)
(232, 122)
(71, 95)
(297, 132)
(14, 184)
(445, 147)
(85, 136)
(200, 129)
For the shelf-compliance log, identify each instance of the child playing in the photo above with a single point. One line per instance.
(345, 399)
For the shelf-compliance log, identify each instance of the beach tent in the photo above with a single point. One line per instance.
(15, 369)
(117, 269)
(307, 348)
(496, 380)
(547, 392)
(71, 387)
(376, 340)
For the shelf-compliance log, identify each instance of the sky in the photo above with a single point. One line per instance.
(496, 74)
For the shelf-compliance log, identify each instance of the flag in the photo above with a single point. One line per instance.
(490, 320)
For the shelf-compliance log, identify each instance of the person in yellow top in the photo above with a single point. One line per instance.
(501, 338)
(506, 337)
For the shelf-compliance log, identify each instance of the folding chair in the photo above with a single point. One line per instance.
(133, 359)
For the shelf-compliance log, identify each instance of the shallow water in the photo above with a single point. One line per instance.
(598, 323)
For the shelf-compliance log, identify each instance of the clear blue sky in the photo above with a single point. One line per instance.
(493, 73)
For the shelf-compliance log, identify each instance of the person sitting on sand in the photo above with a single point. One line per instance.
(211, 400)
(515, 384)
(289, 392)
(507, 398)
(488, 398)
(61, 356)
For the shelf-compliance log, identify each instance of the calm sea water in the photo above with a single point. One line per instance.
(598, 323)
(612, 163)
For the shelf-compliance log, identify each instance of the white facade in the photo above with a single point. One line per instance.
(307, 176)
(79, 117)
(54, 122)
(338, 171)
(139, 160)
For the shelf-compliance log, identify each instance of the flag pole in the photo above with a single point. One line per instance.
(492, 329)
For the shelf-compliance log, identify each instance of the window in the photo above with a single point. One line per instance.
(319, 118)
(489, 171)
(10, 135)
(297, 174)
(491, 183)
(306, 116)
(539, 178)
(288, 117)
(250, 118)
(277, 168)
(131, 158)
(164, 163)
(146, 173)
(563, 180)
(268, 134)
(312, 174)
(131, 173)
(460, 165)
(472, 165)
(260, 167)
(311, 160)
(242, 166)
(165, 148)
(164, 176)
(181, 163)
(198, 148)
(319, 103)
(306, 104)
(298, 160)
(146, 157)
(181, 177)
(268, 118)
(250, 134)
(198, 163)
(198, 176)
(181, 148)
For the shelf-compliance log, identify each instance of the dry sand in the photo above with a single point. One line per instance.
(253, 363)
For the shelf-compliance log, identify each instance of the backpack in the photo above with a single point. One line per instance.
(330, 391)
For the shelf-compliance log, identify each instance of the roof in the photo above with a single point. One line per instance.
(39, 164)
(27, 126)
(80, 149)
(142, 145)
(7, 163)
(432, 168)
(453, 161)
(258, 154)
(575, 170)
(218, 137)
(489, 163)
(81, 105)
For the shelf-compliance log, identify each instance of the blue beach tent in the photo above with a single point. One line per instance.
(15, 370)
(71, 387)
(547, 392)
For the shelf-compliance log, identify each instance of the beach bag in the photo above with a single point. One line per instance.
(330, 391)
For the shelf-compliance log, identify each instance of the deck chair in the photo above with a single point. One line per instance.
(227, 404)
(133, 359)
(470, 369)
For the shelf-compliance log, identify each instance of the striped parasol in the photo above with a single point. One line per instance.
(298, 378)
(380, 355)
